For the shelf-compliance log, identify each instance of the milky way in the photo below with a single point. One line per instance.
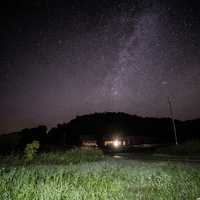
(114, 57)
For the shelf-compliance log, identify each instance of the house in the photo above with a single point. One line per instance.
(116, 141)
(88, 141)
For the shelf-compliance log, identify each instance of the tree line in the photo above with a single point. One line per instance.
(98, 126)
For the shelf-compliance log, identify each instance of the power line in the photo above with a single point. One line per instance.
(173, 121)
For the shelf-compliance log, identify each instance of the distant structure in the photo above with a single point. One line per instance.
(88, 141)
(173, 121)
(128, 141)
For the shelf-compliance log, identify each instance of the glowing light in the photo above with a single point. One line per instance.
(116, 143)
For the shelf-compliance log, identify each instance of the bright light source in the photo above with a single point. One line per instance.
(116, 143)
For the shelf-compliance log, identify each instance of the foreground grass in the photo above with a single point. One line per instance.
(91, 176)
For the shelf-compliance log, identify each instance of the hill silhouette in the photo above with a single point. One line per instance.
(99, 126)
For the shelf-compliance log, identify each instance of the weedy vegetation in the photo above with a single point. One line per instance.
(30, 150)
(90, 175)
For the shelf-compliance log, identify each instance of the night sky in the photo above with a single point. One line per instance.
(60, 59)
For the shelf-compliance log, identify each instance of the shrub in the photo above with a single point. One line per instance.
(31, 149)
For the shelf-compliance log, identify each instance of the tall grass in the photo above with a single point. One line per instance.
(73, 156)
(80, 177)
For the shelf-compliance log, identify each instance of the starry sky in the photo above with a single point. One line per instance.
(60, 59)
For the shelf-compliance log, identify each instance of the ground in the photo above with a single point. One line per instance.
(92, 176)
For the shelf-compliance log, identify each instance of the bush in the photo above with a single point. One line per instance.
(30, 150)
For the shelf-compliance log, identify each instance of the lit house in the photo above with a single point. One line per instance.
(88, 141)
(127, 141)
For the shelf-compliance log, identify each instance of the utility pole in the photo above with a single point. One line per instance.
(172, 118)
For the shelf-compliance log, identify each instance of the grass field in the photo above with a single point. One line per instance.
(89, 175)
